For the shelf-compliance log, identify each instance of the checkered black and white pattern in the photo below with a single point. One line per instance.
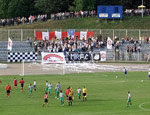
(22, 56)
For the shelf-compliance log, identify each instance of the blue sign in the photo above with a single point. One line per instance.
(110, 12)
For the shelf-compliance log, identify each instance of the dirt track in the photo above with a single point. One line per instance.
(37, 68)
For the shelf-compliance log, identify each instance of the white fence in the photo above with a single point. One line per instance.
(22, 34)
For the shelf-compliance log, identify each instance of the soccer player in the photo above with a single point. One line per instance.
(61, 95)
(70, 98)
(22, 84)
(8, 88)
(34, 85)
(46, 88)
(67, 91)
(57, 92)
(149, 75)
(58, 85)
(15, 83)
(72, 93)
(30, 89)
(129, 99)
(84, 91)
(79, 93)
(45, 100)
(50, 88)
(125, 72)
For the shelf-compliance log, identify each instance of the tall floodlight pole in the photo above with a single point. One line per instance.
(142, 8)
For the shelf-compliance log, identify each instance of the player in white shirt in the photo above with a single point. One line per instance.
(149, 75)
(50, 88)
(61, 95)
(46, 88)
(129, 99)
(34, 85)
(79, 93)
(125, 72)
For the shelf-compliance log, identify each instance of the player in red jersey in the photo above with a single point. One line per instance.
(8, 88)
(22, 84)
(15, 83)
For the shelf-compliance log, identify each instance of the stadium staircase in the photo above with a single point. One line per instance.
(17, 47)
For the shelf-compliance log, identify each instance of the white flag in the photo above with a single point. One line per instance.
(109, 43)
(10, 44)
(83, 35)
(58, 34)
(103, 55)
(45, 35)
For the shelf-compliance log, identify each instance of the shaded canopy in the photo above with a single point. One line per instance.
(141, 6)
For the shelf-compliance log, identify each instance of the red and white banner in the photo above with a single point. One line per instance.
(53, 57)
(109, 43)
(10, 44)
(60, 35)
(103, 55)
(83, 35)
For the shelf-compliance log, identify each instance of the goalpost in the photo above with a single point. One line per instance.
(39, 68)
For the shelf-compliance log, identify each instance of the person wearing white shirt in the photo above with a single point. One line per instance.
(34, 85)
(129, 99)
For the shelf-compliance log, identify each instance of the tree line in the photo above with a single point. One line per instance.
(25, 8)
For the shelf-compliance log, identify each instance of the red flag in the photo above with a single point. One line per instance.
(77, 34)
(89, 34)
(38, 35)
(51, 35)
(64, 34)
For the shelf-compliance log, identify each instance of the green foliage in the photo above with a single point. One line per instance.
(19, 8)
(52, 6)
(4, 8)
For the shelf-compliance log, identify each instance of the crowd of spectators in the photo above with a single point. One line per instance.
(137, 12)
(44, 17)
(80, 14)
(23, 20)
(70, 44)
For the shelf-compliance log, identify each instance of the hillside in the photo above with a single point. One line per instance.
(136, 22)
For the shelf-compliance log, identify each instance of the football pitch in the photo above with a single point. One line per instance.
(106, 94)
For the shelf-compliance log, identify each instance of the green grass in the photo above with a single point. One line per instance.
(106, 95)
(128, 22)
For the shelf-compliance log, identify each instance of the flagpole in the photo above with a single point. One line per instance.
(142, 8)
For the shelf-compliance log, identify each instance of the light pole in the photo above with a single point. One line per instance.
(142, 9)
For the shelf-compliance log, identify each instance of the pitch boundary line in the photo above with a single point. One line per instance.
(142, 108)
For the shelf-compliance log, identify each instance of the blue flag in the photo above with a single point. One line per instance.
(71, 32)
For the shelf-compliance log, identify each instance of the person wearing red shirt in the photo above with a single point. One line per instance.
(67, 91)
(8, 88)
(15, 83)
(22, 84)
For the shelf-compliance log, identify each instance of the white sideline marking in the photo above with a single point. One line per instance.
(142, 108)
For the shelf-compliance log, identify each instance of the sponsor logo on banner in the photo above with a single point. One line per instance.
(116, 15)
(96, 57)
(103, 15)
(53, 57)
(103, 55)
(78, 56)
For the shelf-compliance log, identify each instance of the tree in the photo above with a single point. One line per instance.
(89, 5)
(4, 8)
(52, 6)
(21, 8)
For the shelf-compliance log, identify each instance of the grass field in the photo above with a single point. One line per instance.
(106, 95)
(128, 22)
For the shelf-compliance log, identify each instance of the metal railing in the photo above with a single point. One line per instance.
(22, 34)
